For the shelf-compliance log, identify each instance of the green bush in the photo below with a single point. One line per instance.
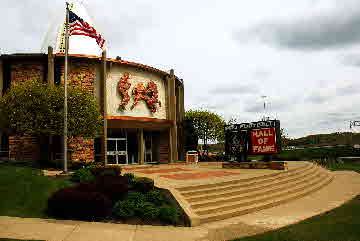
(76, 165)
(124, 209)
(82, 175)
(147, 211)
(131, 178)
(136, 197)
(155, 197)
(144, 184)
(100, 169)
(168, 214)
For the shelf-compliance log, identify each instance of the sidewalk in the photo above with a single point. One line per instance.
(345, 186)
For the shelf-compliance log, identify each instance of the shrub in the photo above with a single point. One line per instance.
(136, 197)
(168, 214)
(131, 177)
(82, 175)
(155, 197)
(77, 204)
(115, 188)
(144, 184)
(76, 165)
(100, 169)
(147, 211)
(124, 209)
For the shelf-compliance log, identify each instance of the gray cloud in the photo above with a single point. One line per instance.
(348, 90)
(351, 60)
(316, 98)
(261, 74)
(276, 105)
(233, 90)
(314, 33)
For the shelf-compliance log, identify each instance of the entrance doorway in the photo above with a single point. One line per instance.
(117, 151)
(148, 147)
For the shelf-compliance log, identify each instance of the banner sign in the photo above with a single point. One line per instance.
(263, 141)
(255, 138)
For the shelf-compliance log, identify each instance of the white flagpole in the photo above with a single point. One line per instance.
(65, 86)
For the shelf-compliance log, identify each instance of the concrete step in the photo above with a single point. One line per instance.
(234, 190)
(241, 208)
(243, 183)
(243, 195)
(258, 199)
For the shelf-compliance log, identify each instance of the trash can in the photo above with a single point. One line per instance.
(192, 157)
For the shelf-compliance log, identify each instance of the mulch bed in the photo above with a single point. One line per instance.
(137, 168)
(199, 175)
(164, 170)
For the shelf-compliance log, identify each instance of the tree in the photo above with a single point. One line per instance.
(35, 108)
(207, 126)
(284, 137)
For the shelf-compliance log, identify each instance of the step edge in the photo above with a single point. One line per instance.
(219, 216)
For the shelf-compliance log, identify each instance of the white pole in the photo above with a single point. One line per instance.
(65, 87)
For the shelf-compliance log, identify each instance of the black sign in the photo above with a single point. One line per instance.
(262, 137)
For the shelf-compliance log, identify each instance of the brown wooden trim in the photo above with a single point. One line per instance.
(143, 119)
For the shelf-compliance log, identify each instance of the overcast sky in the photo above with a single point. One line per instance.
(303, 55)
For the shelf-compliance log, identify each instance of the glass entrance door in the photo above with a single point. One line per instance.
(117, 151)
(148, 147)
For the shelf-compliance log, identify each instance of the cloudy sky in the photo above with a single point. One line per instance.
(303, 55)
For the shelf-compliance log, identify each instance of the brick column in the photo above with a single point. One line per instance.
(82, 74)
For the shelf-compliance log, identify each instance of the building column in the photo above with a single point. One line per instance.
(103, 107)
(141, 146)
(173, 140)
(51, 66)
(181, 136)
(1, 90)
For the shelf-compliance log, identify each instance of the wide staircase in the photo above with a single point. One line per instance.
(214, 202)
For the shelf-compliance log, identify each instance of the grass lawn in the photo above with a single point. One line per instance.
(24, 191)
(347, 166)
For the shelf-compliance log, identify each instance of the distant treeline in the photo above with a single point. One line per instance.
(338, 138)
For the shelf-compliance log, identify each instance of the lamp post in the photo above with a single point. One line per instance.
(264, 117)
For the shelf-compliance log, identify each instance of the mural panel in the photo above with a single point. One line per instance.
(135, 93)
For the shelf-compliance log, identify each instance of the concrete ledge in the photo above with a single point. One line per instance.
(256, 165)
(192, 216)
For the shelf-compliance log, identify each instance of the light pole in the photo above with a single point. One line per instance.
(264, 117)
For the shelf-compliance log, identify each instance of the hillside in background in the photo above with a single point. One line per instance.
(338, 138)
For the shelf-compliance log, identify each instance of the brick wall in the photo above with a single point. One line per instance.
(22, 72)
(81, 149)
(82, 74)
(24, 148)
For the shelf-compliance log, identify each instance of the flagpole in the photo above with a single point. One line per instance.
(65, 87)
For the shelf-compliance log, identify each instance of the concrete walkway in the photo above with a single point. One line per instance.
(345, 186)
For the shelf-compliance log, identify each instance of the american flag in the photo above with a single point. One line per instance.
(77, 26)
